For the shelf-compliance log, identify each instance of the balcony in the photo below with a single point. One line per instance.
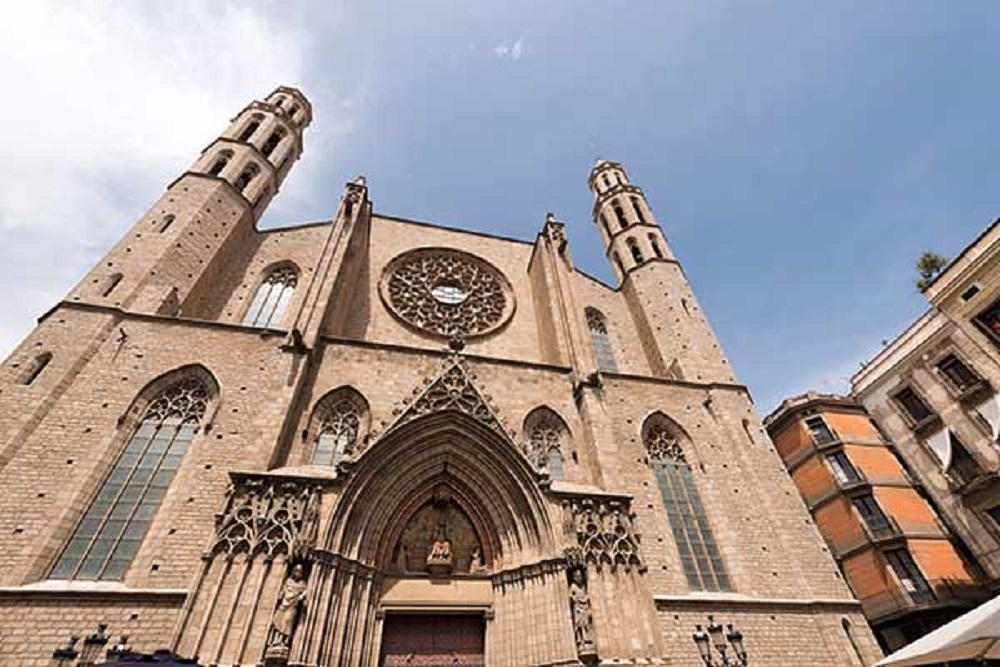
(940, 593)
(883, 530)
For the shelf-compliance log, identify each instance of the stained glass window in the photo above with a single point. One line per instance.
(338, 431)
(109, 534)
(701, 560)
(273, 296)
(601, 341)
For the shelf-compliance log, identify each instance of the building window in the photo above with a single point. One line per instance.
(637, 207)
(633, 248)
(653, 241)
(699, 554)
(340, 423)
(272, 299)
(620, 215)
(109, 534)
(821, 433)
(607, 183)
(35, 367)
(843, 469)
(250, 129)
(547, 436)
(246, 176)
(601, 340)
(220, 163)
(258, 203)
(909, 575)
(964, 467)
(272, 142)
(110, 283)
(165, 223)
(872, 515)
(914, 406)
(604, 223)
(989, 322)
(957, 373)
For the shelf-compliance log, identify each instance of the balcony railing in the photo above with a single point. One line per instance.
(940, 592)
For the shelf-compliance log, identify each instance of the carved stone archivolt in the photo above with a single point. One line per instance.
(453, 389)
(604, 528)
(447, 292)
(270, 517)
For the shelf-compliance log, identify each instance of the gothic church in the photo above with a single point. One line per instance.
(371, 441)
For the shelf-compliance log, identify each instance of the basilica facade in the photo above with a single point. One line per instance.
(373, 442)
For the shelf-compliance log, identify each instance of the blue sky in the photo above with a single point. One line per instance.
(799, 155)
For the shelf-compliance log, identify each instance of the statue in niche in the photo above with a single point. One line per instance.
(583, 618)
(439, 559)
(292, 595)
(476, 565)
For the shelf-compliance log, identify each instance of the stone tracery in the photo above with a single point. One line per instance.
(447, 292)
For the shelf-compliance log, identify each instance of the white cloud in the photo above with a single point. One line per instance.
(514, 50)
(106, 103)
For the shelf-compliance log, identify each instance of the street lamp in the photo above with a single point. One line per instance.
(65, 655)
(93, 644)
(714, 636)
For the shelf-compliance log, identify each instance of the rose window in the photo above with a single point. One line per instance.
(447, 292)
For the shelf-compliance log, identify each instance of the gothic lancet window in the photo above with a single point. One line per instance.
(620, 214)
(338, 433)
(220, 163)
(700, 558)
(272, 142)
(339, 418)
(246, 176)
(637, 207)
(251, 128)
(599, 338)
(273, 296)
(547, 436)
(656, 246)
(633, 248)
(109, 534)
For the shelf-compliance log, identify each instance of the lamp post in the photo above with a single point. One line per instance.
(714, 636)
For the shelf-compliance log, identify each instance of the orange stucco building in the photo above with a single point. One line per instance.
(902, 562)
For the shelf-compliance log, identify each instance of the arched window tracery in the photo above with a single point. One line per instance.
(273, 296)
(599, 338)
(547, 438)
(339, 419)
(108, 536)
(701, 560)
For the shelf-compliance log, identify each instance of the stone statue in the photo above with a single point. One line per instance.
(583, 618)
(476, 565)
(293, 593)
(440, 551)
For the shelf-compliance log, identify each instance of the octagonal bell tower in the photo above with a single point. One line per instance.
(677, 339)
